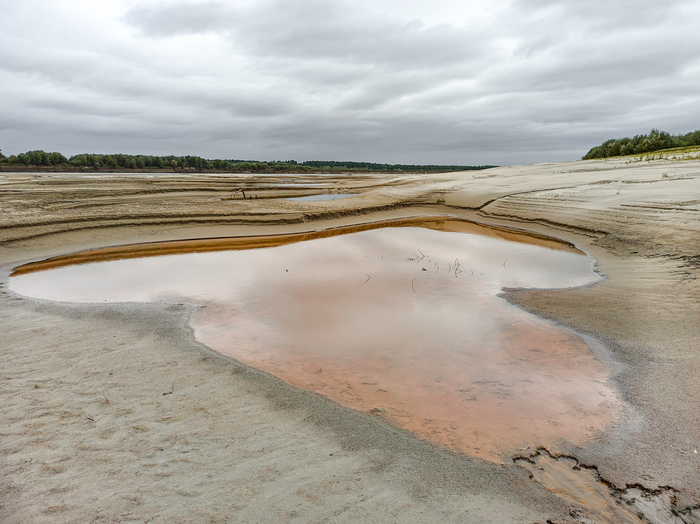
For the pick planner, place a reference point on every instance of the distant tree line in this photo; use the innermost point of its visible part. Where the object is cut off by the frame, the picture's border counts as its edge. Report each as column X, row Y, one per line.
column 36, row 158
column 655, row 140
column 93, row 162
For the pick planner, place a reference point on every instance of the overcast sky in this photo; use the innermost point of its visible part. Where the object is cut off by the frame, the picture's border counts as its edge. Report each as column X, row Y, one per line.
column 399, row 81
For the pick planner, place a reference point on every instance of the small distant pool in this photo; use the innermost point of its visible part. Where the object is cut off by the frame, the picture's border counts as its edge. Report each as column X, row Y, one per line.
column 297, row 184
column 319, row 198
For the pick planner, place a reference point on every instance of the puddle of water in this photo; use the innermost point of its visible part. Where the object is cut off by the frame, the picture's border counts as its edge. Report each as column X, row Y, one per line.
column 320, row 198
column 404, row 322
column 297, row 184
column 305, row 175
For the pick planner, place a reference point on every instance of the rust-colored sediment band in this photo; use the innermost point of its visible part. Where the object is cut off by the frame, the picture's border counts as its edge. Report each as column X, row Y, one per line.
column 176, row 247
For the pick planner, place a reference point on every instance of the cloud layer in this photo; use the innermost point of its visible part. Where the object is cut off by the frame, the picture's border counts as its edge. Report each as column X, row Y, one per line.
column 381, row 80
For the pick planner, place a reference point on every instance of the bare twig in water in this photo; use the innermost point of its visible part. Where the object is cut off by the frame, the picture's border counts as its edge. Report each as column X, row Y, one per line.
column 413, row 288
column 368, row 277
column 456, row 267
column 504, row 264
column 422, row 255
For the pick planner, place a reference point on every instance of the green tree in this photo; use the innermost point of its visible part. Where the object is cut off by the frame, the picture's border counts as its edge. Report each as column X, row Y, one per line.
column 655, row 140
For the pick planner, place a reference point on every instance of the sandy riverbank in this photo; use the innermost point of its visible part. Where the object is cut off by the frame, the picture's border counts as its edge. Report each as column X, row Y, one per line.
column 115, row 413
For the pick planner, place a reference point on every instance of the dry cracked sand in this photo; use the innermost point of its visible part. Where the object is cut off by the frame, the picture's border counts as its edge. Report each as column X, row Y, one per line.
column 115, row 413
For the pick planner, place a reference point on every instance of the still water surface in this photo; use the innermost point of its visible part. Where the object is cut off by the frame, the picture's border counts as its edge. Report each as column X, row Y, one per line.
column 321, row 198
column 404, row 322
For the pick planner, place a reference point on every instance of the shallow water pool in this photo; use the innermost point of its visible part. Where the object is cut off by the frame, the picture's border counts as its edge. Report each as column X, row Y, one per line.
column 403, row 322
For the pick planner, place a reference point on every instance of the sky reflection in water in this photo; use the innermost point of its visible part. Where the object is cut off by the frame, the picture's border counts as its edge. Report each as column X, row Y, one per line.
column 405, row 322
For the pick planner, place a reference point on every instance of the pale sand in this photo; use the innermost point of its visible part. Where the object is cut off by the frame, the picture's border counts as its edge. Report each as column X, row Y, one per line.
column 89, row 435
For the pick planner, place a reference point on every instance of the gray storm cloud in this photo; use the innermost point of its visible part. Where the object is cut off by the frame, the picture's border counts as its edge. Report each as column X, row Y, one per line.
column 521, row 81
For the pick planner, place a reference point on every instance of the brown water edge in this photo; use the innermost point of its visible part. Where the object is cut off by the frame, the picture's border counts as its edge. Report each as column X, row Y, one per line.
column 204, row 245
column 389, row 318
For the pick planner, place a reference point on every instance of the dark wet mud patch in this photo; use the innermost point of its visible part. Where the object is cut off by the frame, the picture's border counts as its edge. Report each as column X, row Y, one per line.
column 593, row 499
column 401, row 322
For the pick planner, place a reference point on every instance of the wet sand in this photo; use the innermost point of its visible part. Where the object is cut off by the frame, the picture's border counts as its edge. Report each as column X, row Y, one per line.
column 115, row 412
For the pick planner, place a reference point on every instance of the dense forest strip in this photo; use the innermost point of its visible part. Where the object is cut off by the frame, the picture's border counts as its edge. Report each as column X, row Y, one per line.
column 655, row 140
column 43, row 161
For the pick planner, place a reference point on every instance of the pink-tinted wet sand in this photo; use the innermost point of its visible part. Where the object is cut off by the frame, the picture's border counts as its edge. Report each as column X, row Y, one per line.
column 401, row 322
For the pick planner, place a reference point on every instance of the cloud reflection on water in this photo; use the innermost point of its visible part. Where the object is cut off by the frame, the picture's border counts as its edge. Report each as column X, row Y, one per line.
column 403, row 319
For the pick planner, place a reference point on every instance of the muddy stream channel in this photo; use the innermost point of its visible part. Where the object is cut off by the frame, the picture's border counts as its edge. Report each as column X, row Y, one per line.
column 402, row 320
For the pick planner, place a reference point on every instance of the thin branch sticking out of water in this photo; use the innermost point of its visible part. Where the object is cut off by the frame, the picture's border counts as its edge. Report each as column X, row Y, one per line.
column 413, row 288
column 368, row 277
column 417, row 257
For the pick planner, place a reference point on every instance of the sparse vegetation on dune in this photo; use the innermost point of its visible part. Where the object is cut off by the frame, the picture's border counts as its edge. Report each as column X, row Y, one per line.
column 654, row 141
